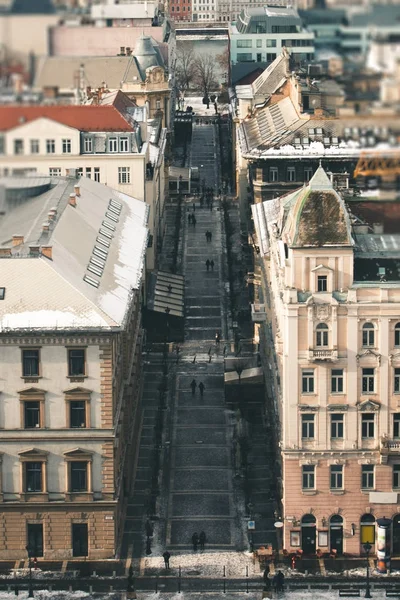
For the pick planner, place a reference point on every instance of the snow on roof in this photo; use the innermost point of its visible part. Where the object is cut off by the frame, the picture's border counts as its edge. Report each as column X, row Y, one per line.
column 59, row 292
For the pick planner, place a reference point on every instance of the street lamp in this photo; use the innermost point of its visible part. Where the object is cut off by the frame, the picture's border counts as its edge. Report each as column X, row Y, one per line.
column 30, row 589
column 367, row 548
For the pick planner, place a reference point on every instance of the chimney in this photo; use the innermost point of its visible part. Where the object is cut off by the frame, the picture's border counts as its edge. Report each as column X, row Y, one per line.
column 77, row 190
column 46, row 227
column 72, row 200
column 377, row 228
column 17, row 240
column 47, row 251
column 319, row 112
column 5, row 252
column 51, row 215
column 34, row 250
column 122, row 50
column 128, row 51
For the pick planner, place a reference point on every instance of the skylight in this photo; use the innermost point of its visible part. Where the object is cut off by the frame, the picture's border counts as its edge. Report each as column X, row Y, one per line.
column 108, row 225
column 106, row 234
column 91, row 281
column 2, row 293
column 95, row 270
column 111, row 217
column 103, row 242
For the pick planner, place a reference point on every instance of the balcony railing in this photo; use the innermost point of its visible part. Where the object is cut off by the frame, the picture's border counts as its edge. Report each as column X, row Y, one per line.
column 258, row 313
column 387, row 448
column 316, row 354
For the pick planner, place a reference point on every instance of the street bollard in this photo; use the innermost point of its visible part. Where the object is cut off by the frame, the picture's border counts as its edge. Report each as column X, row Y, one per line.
column 179, row 579
column 224, row 576
column 247, row 579
column 156, row 585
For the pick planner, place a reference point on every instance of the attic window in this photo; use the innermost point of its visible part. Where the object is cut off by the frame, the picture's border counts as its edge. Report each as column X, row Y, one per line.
column 306, row 141
column 311, row 131
column 335, row 140
column 108, row 226
column 326, row 140
column 111, row 217
column 91, row 281
column 106, row 234
column 2, row 293
column 103, row 242
column 100, row 252
column 115, row 204
column 319, row 131
column 95, row 270
column 113, row 210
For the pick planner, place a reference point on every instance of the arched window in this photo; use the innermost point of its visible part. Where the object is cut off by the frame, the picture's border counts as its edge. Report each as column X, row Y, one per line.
column 322, row 335
column 368, row 335
column 308, row 519
column 336, row 520
column 397, row 335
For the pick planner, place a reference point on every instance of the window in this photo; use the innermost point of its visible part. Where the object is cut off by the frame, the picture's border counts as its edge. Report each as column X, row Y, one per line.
column 80, row 171
column 34, row 146
column 31, row 414
column 270, row 57
column 259, row 43
column 18, row 146
column 397, row 335
column 322, row 283
column 396, row 476
column 78, row 476
column 124, row 144
column 322, row 335
column 396, row 381
column 89, row 172
column 291, row 174
column 124, row 175
column 77, row 414
column 368, row 335
column 76, row 363
column 367, row 477
column 80, row 536
column 30, row 363
column 96, row 176
column 113, row 144
column 273, row 174
column 33, row 477
column 66, row 146
column 337, row 422
column 336, row 477
column 50, row 146
column 271, row 43
column 307, row 427
column 368, row 380
column 307, row 381
column 1, row 144
column 337, row 381
column 367, row 425
column 396, row 425
column 244, row 57
column 55, row 171
column 88, row 145
column 308, row 477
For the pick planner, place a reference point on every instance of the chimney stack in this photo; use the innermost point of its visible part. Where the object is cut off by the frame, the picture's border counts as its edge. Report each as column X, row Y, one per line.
column 77, row 191
column 51, row 215
column 47, row 251
column 46, row 227
column 34, row 250
column 72, row 200
column 5, row 252
column 17, row 240
column 122, row 50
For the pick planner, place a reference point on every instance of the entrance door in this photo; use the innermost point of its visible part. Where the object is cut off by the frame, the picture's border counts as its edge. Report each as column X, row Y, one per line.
column 35, row 539
column 308, row 534
column 396, row 535
column 79, row 539
column 336, row 534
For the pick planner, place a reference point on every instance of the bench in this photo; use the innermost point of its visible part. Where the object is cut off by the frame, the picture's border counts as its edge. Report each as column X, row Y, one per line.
column 393, row 593
column 349, row 593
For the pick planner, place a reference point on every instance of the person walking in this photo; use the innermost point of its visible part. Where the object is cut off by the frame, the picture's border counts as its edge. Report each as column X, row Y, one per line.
column 217, row 338
column 195, row 541
column 193, row 221
column 212, row 265
column 208, row 264
column 210, row 236
column 166, row 557
column 193, row 385
column 280, row 580
column 206, row 235
column 202, row 540
column 202, row 387
column 189, row 219
column 267, row 582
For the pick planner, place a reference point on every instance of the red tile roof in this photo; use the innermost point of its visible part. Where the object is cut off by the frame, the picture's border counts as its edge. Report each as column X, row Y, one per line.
column 84, row 118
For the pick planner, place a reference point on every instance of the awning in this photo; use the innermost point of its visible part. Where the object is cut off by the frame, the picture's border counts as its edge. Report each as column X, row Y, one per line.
column 166, row 293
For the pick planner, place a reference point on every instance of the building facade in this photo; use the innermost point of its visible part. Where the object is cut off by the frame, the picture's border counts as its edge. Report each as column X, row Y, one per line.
column 70, row 346
column 334, row 291
column 261, row 33
column 111, row 143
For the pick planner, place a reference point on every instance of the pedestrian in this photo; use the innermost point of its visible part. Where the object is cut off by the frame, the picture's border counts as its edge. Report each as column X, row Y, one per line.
column 280, row 581
column 166, row 557
column 293, row 561
column 267, row 583
column 193, row 221
column 195, row 541
column 149, row 528
column 210, row 236
column 211, row 204
column 207, row 235
column 212, row 265
column 208, row 264
column 202, row 538
column 189, row 218
column 275, row 582
column 202, row 387
column 217, row 338
column 193, row 385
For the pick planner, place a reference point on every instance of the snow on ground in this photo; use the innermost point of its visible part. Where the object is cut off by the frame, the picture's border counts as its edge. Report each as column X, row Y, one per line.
column 206, row 564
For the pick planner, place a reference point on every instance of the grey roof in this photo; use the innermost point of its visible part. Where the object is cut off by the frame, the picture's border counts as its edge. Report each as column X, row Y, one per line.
column 251, row 18
column 63, row 71
column 378, row 15
column 97, row 248
column 324, row 16
column 273, row 77
column 32, row 7
column 146, row 54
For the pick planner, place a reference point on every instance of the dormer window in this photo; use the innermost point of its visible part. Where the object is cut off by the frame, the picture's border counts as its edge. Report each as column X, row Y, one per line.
column 322, row 283
column 322, row 335
column 88, row 145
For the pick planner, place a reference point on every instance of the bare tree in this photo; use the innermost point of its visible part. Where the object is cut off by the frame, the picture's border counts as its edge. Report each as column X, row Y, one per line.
column 223, row 60
column 184, row 71
column 205, row 76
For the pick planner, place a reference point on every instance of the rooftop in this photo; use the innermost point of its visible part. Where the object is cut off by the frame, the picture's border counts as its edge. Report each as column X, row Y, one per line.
column 65, row 266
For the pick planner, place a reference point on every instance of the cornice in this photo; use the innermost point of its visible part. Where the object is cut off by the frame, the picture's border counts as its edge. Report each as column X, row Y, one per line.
column 75, row 340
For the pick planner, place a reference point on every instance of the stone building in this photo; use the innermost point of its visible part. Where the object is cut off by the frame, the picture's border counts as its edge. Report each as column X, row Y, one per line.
column 330, row 272
column 71, row 262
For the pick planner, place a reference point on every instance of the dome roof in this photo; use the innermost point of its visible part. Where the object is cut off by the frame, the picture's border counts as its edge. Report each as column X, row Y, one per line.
column 145, row 53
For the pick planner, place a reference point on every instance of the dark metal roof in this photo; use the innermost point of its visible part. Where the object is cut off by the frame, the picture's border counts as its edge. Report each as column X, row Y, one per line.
column 32, row 7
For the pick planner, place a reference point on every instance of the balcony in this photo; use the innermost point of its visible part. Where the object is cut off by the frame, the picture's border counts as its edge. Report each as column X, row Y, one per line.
column 258, row 313
column 388, row 448
column 320, row 354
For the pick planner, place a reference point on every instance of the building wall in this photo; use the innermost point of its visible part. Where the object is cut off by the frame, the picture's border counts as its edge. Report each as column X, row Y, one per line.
column 268, row 53
column 23, row 34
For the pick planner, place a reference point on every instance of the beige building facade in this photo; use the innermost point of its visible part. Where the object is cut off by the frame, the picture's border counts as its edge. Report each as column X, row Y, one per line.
column 70, row 348
column 334, row 290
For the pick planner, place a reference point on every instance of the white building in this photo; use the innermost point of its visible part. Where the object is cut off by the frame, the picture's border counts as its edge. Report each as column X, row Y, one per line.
column 71, row 264
column 107, row 143
column 261, row 33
